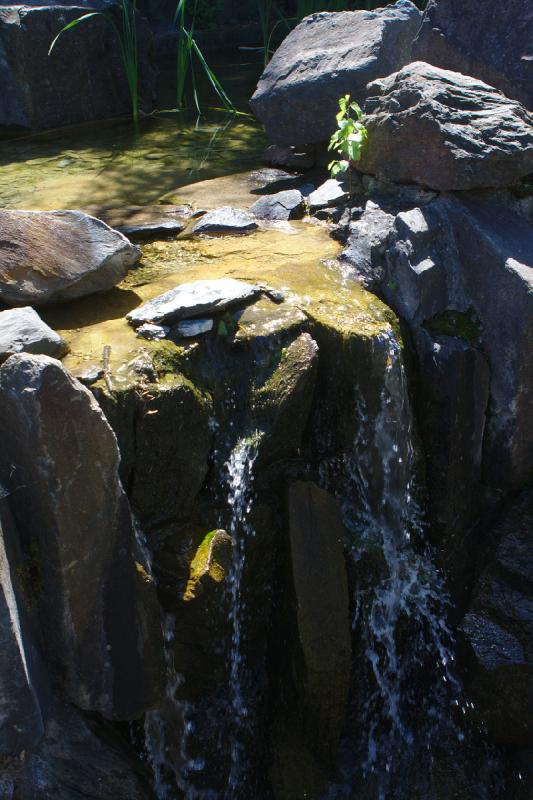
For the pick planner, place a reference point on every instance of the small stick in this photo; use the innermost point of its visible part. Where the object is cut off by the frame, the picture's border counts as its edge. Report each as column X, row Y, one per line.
column 106, row 357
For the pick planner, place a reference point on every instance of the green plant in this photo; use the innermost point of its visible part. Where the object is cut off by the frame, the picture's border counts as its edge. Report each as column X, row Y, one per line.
column 349, row 138
column 187, row 50
column 126, row 32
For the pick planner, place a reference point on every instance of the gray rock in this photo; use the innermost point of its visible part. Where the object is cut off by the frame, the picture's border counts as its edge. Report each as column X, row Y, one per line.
column 225, row 220
column 445, row 130
column 83, row 78
column 149, row 331
column 22, row 686
column 366, row 245
column 51, row 256
column 89, row 375
column 193, row 299
column 191, row 327
column 287, row 157
column 330, row 193
column 98, row 613
column 23, row 331
column 283, row 205
column 467, row 38
column 325, row 57
column 148, row 222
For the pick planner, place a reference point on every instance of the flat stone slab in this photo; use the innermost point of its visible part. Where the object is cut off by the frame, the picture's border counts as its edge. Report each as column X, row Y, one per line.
column 189, row 328
column 225, row 220
column 194, row 299
column 145, row 222
column 331, row 193
column 281, row 206
column 23, row 331
column 51, row 256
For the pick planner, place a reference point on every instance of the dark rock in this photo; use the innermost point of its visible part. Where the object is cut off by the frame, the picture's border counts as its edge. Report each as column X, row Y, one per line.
column 194, row 299
column 22, row 684
column 366, row 245
column 78, row 758
column 147, row 222
column 89, row 375
column 445, row 130
column 188, row 328
column 467, row 38
column 325, row 57
column 330, row 193
column 81, row 80
column 51, row 256
column 283, row 205
column 23, row 331
column 498, row 628
column 97, row 609
column 270, row 181
column 224, row 221
column 287, row 157
column 321, row 589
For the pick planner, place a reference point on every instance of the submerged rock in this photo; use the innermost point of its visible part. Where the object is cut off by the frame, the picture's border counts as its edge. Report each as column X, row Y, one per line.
column 23, row 331
column 81, row 80
column 325, row 57
column 467, row 38
column 193, row 299
column 225, row 220
column 445, row 130
column 280, row 206
column 97, row 610
column 51, row 256
column 145, row 222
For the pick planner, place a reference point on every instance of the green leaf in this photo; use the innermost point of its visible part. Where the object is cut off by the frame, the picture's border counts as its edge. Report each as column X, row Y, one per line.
column 74, row 23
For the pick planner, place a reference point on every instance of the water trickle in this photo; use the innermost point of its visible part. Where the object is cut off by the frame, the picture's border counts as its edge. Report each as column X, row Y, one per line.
column 239, row 480
column 405, row 703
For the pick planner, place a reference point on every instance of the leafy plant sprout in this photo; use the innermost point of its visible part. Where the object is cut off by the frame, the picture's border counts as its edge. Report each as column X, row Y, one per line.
column 348, row 139
column 126, row 32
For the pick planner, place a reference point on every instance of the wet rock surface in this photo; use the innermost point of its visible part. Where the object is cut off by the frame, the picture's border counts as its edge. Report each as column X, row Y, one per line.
column 280, row 206
column 225, row 221
column 467, row 39
column 81, row 80
column 331, row 193
column 48, row 257
column 22, row 330
column 325, row 57
column 96, row 606
column 445, row 130
column 148, row 222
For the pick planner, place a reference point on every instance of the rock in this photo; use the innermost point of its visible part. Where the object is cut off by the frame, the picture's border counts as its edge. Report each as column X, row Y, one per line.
column 211, row 563
column 193, row 299
column 468, row 38
column 146, row 222
column 78, row 757
column 89, row 375
column 283, row 402
column 163, row 435
column 225, row 220
column 81, row 80
column 23, row 698
column 151, row 332
column 321, row 590
column 366, row 245
column 276, row 155
column 325, row 57
column 498, row 628
column 23, row 331
column 283, row 205
column 51, row 256
column 271, row 181
column 191, row 327
column 330, row 193
column 445, row 131
column 96, row 604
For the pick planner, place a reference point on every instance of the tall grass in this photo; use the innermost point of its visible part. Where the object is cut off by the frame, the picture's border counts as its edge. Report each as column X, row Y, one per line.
column 126, row 33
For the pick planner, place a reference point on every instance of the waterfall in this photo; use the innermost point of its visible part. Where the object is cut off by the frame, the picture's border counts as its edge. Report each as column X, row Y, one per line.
column 239, row 481
column 405, row 648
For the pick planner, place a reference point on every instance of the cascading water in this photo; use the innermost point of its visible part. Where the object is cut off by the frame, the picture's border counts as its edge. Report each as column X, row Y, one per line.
column 239, row 480
column 406, row 704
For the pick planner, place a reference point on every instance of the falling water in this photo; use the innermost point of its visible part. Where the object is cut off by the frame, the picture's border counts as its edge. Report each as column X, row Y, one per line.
column 239, row 479
column 400, row 613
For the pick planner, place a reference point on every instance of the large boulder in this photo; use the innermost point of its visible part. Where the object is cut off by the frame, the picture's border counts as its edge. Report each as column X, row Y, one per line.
column 98, row 614
column 81, row 80
column 445, row 130
column 325, row 57
column 467, row 38
column 498, row 628
column 51, row 256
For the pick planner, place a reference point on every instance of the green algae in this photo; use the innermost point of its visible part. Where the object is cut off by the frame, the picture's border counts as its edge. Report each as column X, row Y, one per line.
column 205, row 563
column 463, row 325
